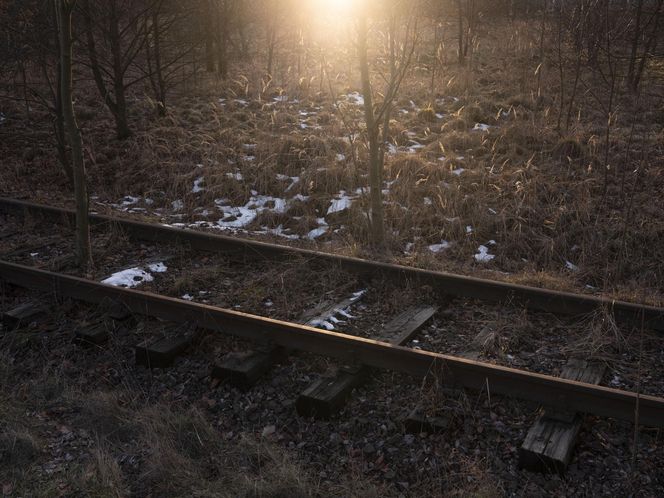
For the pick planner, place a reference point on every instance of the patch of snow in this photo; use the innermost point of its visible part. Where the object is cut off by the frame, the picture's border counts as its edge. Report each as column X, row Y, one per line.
column 242, row 102
column 355, row 98
column 571, row 266
column 483, row 255
column 415, row 146
column 442, row 158
column 244, row 215
column 281, row 98
column 158, row 267
column 481, row 127
column 436, row 248
column 236, row 176
column 439, row 115
column 469, row 229
column 491, row 243
column 249, row 146
column 197, row 185
column 130, row 277
column 177, row 205
column 340, row 204
column 188, row 297
column 128, row 200
column 325, row 324
column 249, row 158
column 317, row 232
column 427, row 201
column 457, row 171
column 341, row 157
column 357, row 295
column 409, row 247
column 345, row 313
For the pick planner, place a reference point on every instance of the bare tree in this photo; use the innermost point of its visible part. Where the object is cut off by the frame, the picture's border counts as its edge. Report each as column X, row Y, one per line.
column 377, row 114
column 63, row 12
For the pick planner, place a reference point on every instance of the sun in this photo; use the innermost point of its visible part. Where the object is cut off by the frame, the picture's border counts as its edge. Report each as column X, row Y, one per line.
column 335, row 7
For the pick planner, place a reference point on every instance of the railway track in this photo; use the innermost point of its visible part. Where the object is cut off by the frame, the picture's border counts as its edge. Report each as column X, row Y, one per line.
column 570, row 396
column 456, row 285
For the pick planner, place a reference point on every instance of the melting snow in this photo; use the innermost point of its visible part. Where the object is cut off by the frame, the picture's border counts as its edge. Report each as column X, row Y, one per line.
column 157, row 267
column 236, row 176
column 317, row 232
column 341, row 157
column 197, row 185
column 343, row 202
column 481, row 127
column 188, row 297
column 128, row 200
column 571, row 266
column 355, row 98
column 436, row 248
column 457, row 171
column 243, row 215
column 483, row 255
column 130, row 277
column 133, row 277
column 281, row 98
column 177, row 205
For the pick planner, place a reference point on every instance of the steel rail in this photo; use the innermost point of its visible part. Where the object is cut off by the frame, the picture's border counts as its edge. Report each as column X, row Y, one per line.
column 566, row 303
column 561, row 393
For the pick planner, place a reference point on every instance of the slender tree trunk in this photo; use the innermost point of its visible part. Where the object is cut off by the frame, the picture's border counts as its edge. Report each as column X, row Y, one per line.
column 63, row 10
column 157, row 60
column 220, row 38
column 462, row 58
column 121, row 124
column 59, row 128
column 375, row 163
column 209, row 36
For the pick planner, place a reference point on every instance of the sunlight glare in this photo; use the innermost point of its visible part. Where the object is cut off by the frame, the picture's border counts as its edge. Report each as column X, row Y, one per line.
column 334, row 7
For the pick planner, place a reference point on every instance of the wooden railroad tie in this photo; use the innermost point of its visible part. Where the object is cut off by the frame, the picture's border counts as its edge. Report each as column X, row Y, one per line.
column 327, row 395
column 243, row 369
column 549, row 444
column 23, row 315
column 160, row 352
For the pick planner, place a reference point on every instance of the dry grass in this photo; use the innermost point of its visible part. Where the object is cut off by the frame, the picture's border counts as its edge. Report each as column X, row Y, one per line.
column 538, row 192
